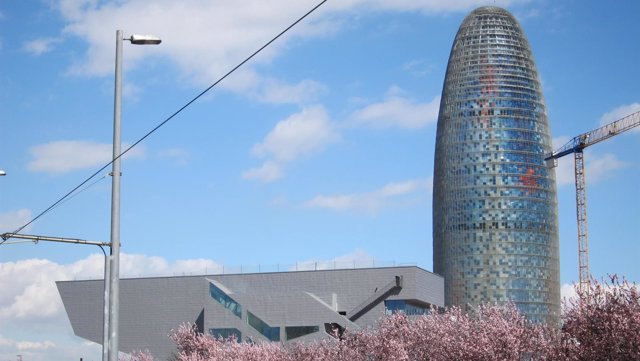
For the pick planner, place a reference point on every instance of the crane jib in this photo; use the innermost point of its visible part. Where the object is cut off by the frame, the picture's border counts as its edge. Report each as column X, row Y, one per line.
column 584, row 140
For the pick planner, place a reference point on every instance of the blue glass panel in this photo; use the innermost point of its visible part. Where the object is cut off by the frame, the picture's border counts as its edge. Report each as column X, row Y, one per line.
column 292, row 332
column 408, row 308
column 224, row 299
column 272, row 333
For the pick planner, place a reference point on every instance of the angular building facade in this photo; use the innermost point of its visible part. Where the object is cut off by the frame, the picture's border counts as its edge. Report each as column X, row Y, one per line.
column 302, row 306
column 495, row 222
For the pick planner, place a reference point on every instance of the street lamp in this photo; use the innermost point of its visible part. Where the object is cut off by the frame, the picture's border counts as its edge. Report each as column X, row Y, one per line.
column 144, row 40
column 114, row 275
column 2, row 173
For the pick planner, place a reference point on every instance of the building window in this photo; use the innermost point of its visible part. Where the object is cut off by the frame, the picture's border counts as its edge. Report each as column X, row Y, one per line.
column 226, row 333
column 407, row 307
column 272, row 333
column 224, row 299
column 292, row 332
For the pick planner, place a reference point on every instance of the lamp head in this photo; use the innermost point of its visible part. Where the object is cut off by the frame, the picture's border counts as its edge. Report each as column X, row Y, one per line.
column 144, row 40
column 2, row 173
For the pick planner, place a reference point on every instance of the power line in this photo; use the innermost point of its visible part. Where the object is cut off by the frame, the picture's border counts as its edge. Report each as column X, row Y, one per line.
column 72, row 196
column 171, row 116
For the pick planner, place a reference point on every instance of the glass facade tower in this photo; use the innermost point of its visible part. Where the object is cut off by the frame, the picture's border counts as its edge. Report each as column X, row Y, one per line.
column 495, row 222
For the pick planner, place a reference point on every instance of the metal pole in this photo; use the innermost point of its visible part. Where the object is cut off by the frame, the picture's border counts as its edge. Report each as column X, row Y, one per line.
column 114, row 276
column 105, row 318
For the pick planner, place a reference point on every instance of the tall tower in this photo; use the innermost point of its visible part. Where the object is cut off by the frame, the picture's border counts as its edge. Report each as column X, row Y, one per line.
column 495, row 221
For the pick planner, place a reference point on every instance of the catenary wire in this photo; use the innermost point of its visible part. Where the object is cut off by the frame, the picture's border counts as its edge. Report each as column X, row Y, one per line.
column 63, row 198
column 73, row 195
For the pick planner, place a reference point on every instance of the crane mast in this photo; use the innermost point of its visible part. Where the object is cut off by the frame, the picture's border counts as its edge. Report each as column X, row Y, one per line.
column 576, row 146
column 581, row 215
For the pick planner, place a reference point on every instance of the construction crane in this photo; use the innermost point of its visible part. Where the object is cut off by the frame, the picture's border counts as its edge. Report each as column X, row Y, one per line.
column 576, row 146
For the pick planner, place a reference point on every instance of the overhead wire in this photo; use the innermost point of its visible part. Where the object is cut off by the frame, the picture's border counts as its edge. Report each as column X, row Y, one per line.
column 67, row 195
column 73, row 195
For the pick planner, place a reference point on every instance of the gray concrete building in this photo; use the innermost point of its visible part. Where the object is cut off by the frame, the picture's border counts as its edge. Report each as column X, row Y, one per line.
column 278, row 307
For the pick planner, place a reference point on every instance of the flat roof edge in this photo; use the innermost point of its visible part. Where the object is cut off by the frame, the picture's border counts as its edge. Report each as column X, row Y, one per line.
column 262, row 273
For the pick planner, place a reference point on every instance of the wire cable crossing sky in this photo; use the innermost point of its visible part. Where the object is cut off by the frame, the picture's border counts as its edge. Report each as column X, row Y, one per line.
column 169, row 118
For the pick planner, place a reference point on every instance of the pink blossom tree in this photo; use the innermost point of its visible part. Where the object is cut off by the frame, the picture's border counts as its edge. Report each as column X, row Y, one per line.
column 490, row 333
column 602, row 324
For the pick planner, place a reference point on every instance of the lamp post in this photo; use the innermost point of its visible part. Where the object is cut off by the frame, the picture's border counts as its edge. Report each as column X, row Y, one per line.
column 114, row 274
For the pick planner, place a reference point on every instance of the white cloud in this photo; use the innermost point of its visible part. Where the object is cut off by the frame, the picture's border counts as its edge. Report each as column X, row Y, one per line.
column 28, row 345
column 601, row 167
column 619, row 113
column 24, row 345
column 299, row 134
column 131, row 92
column 179, row 156
column 567, row 292
column 74, row 9
column 525, row 15
column 565, row 173
column 69, row 155
column 398, row 111
column 311, row 130
column 559, row 141
column 196, row 265
column 207, row 38
column 372, row 202
column 30, row 305
column 274, row 91
column 564, row 170
column 305, row 91
column 38, row 47
column 10, row 221
column 598, row 167
column 302, row 133
column 64, row 347
column 435, row 6
column 136, row 265
column 30, row 291
column 418, row 67
column 355, row 259
column 269, row 171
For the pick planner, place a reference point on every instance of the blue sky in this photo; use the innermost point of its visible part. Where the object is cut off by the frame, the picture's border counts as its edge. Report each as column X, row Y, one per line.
column 320, row 150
